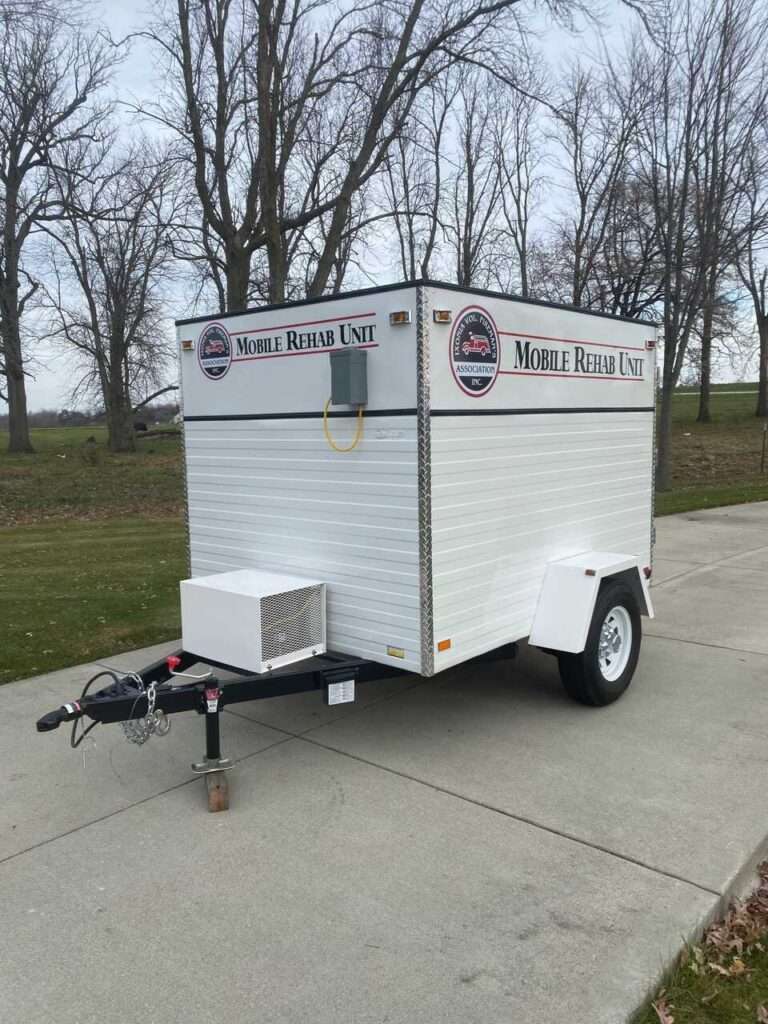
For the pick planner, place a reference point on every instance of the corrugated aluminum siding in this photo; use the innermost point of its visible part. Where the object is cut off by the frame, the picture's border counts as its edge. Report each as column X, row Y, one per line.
column 270, row 494
column 513, row 492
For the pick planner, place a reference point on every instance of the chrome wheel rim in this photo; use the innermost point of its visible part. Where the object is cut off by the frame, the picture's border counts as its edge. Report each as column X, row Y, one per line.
column 615, row 643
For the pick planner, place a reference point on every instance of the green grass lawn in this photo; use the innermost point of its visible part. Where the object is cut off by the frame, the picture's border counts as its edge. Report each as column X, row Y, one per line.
column 92, row 547
column 709, row 998
column 724, row 978
column 75, row 591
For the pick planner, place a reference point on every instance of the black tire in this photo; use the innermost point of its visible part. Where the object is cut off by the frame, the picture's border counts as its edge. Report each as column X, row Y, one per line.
column 581, row 674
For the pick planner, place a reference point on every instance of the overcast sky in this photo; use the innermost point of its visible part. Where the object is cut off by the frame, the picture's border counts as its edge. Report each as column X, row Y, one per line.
column 52, row 379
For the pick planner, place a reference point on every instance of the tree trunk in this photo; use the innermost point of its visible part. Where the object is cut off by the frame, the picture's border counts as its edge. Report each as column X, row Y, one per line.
column 276, row 263
column 120, row 433
column 18, row 424
column 664, row 434
column 332, row 241
column 706, row 366
column 238, row 276
column 762, row 383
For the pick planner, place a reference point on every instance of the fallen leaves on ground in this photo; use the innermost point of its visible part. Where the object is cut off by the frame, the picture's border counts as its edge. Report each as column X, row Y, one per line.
column 663, row 1009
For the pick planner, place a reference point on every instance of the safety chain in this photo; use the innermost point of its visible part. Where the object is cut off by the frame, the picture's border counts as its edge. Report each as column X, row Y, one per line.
column 154, row 723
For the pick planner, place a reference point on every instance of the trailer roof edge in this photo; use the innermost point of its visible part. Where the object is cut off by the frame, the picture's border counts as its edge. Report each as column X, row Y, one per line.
column 427, row 282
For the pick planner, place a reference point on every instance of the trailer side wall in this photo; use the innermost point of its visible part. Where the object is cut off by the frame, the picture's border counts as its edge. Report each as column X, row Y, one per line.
column 266, row 491
column 541, row 437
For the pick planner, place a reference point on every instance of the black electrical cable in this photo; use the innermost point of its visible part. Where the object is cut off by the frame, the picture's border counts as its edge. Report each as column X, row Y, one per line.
column 75, row 740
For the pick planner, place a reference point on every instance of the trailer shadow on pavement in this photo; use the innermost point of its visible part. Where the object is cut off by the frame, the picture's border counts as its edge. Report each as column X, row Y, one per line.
column 470, row 848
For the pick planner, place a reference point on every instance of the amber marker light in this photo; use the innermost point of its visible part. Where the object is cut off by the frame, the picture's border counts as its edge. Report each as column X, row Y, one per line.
column 442, row 316
column 401, row 316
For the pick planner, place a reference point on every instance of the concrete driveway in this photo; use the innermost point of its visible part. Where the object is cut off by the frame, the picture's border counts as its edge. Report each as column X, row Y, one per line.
column 473, row 849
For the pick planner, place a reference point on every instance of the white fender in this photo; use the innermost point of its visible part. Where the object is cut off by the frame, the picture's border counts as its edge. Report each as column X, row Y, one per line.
column 568, row 594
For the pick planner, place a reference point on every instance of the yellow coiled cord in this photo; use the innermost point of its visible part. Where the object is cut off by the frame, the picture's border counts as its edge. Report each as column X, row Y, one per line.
column 358, row 433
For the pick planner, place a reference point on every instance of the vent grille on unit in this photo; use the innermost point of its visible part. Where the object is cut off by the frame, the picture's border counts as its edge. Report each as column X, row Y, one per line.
column 290, row 622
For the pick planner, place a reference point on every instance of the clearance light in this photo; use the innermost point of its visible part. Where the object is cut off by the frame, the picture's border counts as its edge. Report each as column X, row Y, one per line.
column 650, row 343
column 402, row 316
column 647, row 572
column 442, row 316
column 187, row 345
column 395, row 652
column 443, row 645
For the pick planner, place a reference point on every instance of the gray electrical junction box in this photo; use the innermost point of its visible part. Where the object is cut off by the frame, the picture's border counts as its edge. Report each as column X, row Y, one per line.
column 349, row 377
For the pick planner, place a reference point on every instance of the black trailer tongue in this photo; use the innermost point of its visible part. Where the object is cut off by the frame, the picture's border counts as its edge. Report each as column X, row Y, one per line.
column 142, row 701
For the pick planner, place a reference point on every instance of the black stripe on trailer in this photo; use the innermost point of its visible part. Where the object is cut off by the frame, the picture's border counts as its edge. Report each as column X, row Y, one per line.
column 348, row 414
column 552, row 410
column 418, row 283
column 332, row 414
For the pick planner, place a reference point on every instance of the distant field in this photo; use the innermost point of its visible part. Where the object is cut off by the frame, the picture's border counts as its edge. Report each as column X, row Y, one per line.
column 69, row 478
column 716, row 463
column 75, row 591
column 92, row 545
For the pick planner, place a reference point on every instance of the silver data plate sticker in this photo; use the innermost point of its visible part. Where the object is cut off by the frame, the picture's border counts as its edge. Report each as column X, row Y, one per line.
column 341, row 693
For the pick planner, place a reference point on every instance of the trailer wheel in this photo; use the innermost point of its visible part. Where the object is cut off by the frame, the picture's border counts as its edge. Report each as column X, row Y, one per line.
column 603, row 671
column 217, row 787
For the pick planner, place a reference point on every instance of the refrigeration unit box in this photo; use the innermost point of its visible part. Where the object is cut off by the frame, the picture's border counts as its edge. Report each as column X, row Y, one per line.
column 458, row 469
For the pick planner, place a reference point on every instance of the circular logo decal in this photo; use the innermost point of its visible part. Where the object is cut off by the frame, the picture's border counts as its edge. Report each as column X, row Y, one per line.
column 475, row 351
column 214, row 351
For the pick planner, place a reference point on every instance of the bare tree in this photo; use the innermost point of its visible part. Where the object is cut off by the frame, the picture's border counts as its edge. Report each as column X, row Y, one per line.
column 519, row 145
column 625, row 277
column 473, row 202
column 416, row 175
column 253, row 84
column 733, row 106
column 50, row 75
column 113, row 256
column 752, row 255
column 669, row 147
column 595, row 122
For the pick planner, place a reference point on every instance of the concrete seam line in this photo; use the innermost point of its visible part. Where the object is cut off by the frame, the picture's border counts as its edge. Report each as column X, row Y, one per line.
column 703, row 643
column 128, row 807
column 701, row 567
column 516, row 817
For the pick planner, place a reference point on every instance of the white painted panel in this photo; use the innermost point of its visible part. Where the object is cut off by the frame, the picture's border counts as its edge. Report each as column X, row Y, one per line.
column 293, row 373
column 535, row 356
column 271, row 495
column 540, row 487
column 568, row 595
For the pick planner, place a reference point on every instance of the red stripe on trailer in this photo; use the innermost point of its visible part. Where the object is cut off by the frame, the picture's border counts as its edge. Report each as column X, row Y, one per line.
column 308, row 352
column 304, row 323
column 567, row 376
column 570, row 341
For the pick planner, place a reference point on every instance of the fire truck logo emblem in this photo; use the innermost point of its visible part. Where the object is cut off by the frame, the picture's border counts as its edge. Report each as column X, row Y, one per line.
column 214, row 351
column 475, row 351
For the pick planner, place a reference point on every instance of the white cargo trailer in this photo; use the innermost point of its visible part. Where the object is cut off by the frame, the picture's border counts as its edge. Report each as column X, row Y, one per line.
column 504, row 466
column 407, row 477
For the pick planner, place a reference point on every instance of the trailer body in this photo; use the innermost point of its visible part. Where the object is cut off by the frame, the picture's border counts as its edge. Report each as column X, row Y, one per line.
column 500, row 437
